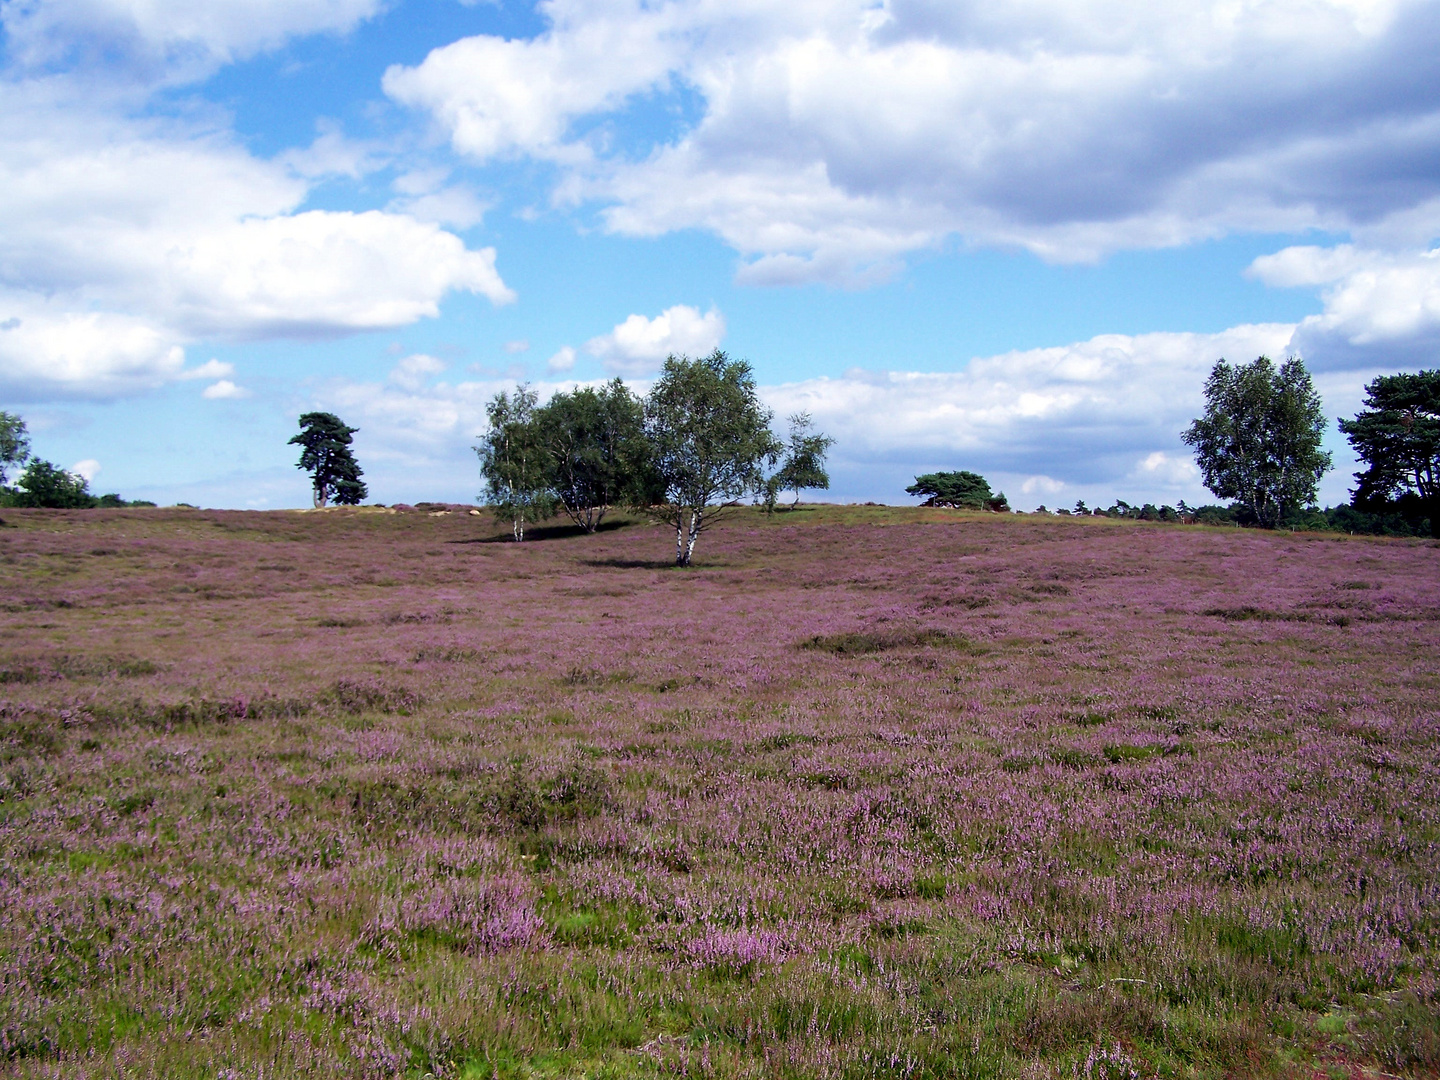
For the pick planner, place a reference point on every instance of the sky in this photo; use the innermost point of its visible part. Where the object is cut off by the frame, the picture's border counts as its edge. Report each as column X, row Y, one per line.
column 1012, row 237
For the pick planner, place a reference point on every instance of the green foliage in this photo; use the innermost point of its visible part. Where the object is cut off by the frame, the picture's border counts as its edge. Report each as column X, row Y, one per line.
column 515, row 462
column 710, row 437
column 1398, row 437
column 963, row 489
column 1350, row 519
column 804, row 462
column 1259, row 440
column 1214, row 515
column 598, row 455
column 44, row 485
column 327, row 458
column 14, row 444
column 1148, row 512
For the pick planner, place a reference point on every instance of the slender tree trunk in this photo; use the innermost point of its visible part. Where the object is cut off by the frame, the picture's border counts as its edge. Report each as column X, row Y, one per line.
column 517, row 529
column 319, row 497
column 680, row 554
column 695, row 516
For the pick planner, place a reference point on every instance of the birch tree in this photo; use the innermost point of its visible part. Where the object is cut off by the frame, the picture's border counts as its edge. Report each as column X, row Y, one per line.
column 804, row 464
column 1259, row 440
column 710, row 439
column 598, row 454
column 14, row 444
column 514, row 462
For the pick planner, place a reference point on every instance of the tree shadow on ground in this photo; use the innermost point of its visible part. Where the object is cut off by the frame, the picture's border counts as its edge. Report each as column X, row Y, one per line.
column 540, row 533
column 633, row 564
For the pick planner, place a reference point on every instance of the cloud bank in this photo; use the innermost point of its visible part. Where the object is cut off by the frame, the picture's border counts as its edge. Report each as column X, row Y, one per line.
column 830, row 137
column 125, row 237
column 1381, row 307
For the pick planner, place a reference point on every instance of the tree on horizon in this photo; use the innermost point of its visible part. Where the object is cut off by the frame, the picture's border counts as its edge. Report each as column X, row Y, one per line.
column 334, row 473
column 711, row 438
column 1398, row 438
column 1259, row 440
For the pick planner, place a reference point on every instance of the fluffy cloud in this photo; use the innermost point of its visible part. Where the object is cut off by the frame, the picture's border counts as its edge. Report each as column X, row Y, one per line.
column 48, row 351
column 170, row 38
column 561, row 362
column 211, row 369
column 123, row 240
column 638, row 345
column 1380, row 307
column 500, row 97
column 224, row 390
column 833, row 136
column 320, row 273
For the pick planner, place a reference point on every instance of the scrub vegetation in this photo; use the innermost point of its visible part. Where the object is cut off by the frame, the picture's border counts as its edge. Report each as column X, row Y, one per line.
column 871, row 793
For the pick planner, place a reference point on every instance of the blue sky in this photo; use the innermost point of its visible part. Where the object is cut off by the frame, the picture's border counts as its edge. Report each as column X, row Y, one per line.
column 1010, row 238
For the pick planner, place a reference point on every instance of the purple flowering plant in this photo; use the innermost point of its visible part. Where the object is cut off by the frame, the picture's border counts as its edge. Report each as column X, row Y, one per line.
column 867, row 792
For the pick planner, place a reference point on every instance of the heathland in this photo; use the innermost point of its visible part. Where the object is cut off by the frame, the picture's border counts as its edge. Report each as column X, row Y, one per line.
column 865, row 792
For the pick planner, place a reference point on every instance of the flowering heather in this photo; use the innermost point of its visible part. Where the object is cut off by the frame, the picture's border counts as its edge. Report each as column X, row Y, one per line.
column 866, row 793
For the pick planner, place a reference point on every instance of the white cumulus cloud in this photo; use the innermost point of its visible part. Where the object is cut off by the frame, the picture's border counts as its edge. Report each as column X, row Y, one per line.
column 638, row 345
column 50, row 351
column 824, row 139
column 1043, row 485
column 122, row 241
column 1085, row 416
column 1381, row 307
column 224, row 390
column 173, row 38
column 561, row 362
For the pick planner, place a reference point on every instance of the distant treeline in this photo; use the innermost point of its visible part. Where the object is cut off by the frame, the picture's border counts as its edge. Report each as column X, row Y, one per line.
column 1402, row 519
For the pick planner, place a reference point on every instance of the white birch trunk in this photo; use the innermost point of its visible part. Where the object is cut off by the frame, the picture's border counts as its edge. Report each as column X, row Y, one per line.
column 695, row 516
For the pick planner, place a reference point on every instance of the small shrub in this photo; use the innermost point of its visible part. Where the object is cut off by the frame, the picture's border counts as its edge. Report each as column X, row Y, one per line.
column 1072, row 758
column 583, row 788
column 581, row 676
column 444, row 654
column 1125, row 752
column 931, row 887
column 357, row 696
column 857, row 643
column 520, row 803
